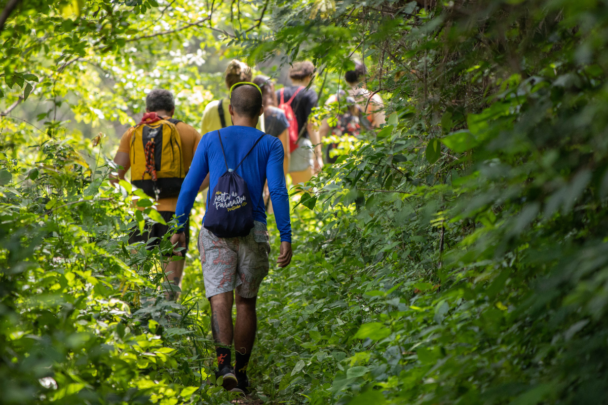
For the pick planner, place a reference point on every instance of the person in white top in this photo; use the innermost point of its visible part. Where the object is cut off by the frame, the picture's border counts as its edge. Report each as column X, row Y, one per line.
column 371, row 107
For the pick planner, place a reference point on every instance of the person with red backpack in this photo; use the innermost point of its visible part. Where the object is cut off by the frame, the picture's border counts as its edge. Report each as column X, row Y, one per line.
column 297, row 102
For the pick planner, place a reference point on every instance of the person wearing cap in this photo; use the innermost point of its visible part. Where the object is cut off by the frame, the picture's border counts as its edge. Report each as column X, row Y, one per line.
column 233, row 268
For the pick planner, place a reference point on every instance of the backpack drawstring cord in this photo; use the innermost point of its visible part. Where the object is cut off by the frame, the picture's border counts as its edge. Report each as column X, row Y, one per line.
column 150, row 164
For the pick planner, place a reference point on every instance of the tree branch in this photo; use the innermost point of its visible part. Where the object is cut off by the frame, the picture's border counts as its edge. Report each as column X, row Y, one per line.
column 383, row 191
column 21, row 97
column 10, row 6
column 186, row 26
column 259, row 20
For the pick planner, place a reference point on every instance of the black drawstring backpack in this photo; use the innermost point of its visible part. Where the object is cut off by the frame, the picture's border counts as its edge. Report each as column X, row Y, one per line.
column 230, row 210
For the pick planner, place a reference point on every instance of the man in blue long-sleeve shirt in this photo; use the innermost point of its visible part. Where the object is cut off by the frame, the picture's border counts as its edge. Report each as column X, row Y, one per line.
column 238, row 263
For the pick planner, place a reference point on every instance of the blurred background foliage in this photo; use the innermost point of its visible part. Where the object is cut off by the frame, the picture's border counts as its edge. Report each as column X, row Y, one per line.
column 458, row 255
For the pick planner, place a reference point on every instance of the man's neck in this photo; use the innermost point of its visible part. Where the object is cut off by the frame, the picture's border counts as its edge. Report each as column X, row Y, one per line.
column 245, row 121
column 162, row 114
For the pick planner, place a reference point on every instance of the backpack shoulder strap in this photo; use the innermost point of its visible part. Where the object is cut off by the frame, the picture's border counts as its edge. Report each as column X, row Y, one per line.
column 174, row 121
column 256, row 142
column 294, row 94
column 223, row 153
column 220, row 111
column 282, row 91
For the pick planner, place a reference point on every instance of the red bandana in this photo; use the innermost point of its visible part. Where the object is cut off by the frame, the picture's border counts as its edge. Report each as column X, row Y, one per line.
column 149, row 118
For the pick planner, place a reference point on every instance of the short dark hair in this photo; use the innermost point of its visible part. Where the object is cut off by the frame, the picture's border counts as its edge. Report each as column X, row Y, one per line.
column 246, row 101
column 301, row 70
column 356, row 75
column 160, row 100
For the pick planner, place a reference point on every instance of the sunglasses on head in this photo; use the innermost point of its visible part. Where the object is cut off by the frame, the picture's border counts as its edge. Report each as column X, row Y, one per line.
column 235, row 85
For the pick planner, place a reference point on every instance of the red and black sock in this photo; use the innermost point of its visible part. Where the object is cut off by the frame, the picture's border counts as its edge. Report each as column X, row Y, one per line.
column 240, row 368
column 223, row 357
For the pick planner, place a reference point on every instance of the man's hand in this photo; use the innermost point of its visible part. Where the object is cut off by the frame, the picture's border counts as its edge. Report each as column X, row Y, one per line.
column 285, row 256
column 180, row 239
column 318, row 164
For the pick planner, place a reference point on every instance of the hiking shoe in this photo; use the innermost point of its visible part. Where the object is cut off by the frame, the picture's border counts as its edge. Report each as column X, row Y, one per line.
column 230, row 382
column 242, row 387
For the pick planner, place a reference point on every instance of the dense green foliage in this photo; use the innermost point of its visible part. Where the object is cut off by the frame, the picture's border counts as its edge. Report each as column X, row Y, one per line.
column 456, row 256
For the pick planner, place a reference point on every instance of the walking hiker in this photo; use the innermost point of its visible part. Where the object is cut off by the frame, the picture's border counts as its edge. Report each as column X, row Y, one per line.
column 360, row 109
column 305, row 142
column 233, row 242
column 349, row 121
column 275, row 122
column 216, row 114
column 159, row 152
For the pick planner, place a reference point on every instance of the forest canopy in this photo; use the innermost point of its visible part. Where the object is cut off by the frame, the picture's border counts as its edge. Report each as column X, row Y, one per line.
column 456, row 255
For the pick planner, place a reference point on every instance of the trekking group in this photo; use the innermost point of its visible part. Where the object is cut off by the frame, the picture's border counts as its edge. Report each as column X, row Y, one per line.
column 251, row 141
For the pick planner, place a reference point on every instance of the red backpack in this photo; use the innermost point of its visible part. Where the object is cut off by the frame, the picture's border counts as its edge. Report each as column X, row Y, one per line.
column 294, row 131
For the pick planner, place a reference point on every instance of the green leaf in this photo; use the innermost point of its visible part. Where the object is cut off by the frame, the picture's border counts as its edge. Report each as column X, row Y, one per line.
column 386, row 131
column 30, row 77
column 355, row 372
column 33, row 174
column 27, row 91
column 393, row 119
column 145, row 202
column 298, row 367
column 574, row 329
column 5, row 177
column 72, row 9
column 423, row 286
column 441, row 309
column 478, row 123
column 535, row 395
column 394, row 288
column 427, row 356
column 126, row 185
column 315, row 335
column 410, row 7
column 17, row 78
column 140, row 193
column 460, row 141
column 141, row 223
column 188, row 391
column 373, row 331
column 368, row 398
column 446, row 122
column 156, row 217
column 433, row 151
column 308, row 201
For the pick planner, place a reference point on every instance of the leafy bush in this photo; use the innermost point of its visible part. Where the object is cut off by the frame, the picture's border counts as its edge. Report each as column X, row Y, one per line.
column 83, row 314
column 456, row 256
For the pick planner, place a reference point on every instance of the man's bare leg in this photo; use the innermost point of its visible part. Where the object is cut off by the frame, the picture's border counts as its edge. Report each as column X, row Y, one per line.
column 174, row 272
column 221, row 327
column 244, row 335
column 221, row 318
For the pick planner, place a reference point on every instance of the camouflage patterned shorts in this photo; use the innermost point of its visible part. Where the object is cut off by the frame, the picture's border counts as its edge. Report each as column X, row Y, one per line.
column 234, row 263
